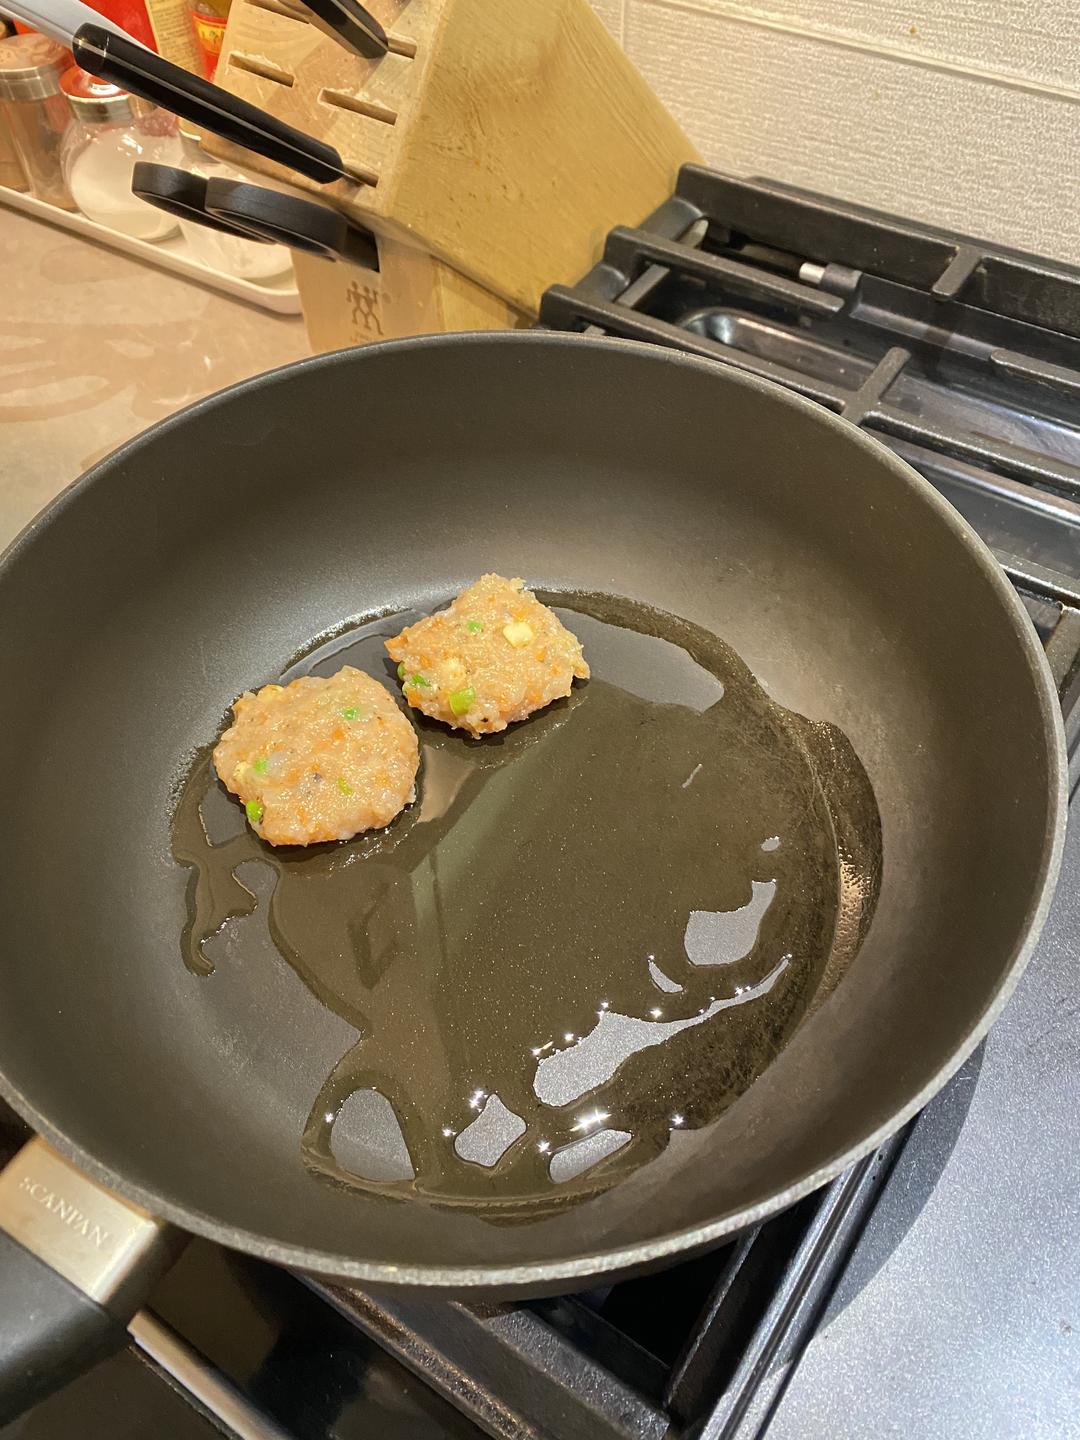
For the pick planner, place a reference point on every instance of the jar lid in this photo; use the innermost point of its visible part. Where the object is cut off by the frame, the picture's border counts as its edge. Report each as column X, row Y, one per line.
column 98, row 101
column 30, row 67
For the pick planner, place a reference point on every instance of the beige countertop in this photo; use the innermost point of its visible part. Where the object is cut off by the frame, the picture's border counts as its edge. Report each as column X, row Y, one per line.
column 95, row 346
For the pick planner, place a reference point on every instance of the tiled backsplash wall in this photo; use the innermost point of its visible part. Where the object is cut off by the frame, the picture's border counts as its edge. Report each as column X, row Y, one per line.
column 965, row 113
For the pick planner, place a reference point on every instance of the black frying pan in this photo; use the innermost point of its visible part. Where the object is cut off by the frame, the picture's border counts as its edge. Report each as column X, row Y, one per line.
column 206, row 555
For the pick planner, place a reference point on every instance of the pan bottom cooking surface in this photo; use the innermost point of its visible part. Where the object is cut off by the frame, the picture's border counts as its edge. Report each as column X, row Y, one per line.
column 589, row 931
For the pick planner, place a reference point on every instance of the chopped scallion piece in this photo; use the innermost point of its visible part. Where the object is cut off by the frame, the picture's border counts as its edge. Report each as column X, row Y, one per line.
column 351, row 712
column 421, row 682
column 254, row 809
column 262, row 764
column 343, row 785
column 401, row 670
column 462, row 700
column 474, row 627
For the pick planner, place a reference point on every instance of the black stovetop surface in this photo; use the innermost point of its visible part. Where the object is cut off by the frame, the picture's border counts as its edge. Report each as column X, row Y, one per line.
column 930, row 1291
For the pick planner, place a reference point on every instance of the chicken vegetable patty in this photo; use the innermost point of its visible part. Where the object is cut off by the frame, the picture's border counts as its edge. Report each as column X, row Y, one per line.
column 319, row 759
column 493, row 657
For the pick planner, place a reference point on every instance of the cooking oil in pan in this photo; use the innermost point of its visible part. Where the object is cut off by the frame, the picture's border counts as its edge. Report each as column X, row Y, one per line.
column 589, row 931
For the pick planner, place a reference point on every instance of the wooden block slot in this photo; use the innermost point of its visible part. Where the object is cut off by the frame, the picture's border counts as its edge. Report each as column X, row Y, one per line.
column 262, row 69
column 370, row 108
column 360, row 173
column 400, row 45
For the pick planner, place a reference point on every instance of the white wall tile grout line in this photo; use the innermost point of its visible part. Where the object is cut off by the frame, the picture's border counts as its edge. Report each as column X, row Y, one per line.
column 755, row 20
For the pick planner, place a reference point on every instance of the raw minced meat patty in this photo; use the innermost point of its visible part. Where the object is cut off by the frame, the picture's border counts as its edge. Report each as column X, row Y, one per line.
column 319, row 759
column 493, row 657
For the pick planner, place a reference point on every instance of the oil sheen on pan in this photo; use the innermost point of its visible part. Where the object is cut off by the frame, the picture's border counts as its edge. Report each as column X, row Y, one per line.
column 588, row 931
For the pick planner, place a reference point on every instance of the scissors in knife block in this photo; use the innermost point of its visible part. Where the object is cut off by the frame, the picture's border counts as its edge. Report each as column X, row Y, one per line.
column 254, row 212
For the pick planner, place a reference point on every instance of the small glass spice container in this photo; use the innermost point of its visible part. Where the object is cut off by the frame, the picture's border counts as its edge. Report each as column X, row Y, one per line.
column 110, row 132
column 12, row 174
column 35, row 111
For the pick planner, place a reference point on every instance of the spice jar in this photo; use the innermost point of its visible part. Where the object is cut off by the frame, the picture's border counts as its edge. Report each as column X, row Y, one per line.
column 110, row 132
column 35, row 111
column 12, row 174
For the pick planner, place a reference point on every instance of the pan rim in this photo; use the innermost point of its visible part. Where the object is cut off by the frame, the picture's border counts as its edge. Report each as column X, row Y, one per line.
column 522, row 1279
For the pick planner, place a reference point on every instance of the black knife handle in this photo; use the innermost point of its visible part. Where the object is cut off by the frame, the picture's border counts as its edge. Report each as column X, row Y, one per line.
column 132, row 67
column 354, row 26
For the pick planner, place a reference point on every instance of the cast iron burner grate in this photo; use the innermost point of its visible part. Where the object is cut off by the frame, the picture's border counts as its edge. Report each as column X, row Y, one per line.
column 701, row 1349
column 963, row 358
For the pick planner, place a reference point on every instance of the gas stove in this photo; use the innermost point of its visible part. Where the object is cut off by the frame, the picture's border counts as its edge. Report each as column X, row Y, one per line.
column 932, row 1289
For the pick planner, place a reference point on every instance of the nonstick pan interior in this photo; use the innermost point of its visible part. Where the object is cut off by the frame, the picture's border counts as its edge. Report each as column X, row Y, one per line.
column 207, row 554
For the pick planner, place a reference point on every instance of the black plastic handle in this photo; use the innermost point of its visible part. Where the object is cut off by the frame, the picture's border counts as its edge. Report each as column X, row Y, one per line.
column 134, row 68
column 50, row 1332
column 355, row 27
column 291, row 220
column 254, row 212
column 180, row 193
column 76, row 1262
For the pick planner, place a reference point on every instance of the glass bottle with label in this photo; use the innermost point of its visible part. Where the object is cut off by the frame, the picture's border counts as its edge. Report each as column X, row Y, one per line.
column 209, row 18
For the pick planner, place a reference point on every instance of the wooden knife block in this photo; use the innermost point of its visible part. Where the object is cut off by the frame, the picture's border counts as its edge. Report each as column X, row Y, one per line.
column 492, row 149
column 411, row 293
